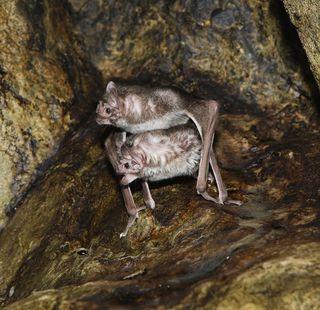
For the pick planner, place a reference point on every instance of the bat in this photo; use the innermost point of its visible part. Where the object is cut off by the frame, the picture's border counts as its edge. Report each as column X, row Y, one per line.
column 160, row 154
column 137, row 109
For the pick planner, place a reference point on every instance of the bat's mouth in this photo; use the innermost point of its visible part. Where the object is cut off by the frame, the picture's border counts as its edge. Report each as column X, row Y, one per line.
column 102, row 120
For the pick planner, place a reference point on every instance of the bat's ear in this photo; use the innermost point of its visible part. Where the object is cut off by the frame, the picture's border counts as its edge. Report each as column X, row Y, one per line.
column 112, row 89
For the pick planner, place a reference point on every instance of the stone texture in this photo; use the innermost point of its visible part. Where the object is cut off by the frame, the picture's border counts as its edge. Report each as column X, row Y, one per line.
column 281, row 283
column 244, row 48
column 305, row 16
column 61, row 249
column 41, row 81
column 290, row 281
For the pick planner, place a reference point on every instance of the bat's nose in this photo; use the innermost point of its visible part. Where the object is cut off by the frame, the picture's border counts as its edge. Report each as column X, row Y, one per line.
column 121, row 169
column 100, row 108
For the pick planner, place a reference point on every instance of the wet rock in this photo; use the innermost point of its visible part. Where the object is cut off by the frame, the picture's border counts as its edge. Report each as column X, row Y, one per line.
column 290, row 281
column 61, row 249
column 209, row 47
column 305, row 17
column 67, row 250
column 42, row 83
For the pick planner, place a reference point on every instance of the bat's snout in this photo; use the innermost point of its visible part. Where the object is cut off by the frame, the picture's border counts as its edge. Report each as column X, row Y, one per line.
column 102, row 117
column 101, row 108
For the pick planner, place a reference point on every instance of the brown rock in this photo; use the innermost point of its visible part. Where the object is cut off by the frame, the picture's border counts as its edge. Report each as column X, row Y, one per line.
column 61, row 249
column 41, row 80
column 305, row 16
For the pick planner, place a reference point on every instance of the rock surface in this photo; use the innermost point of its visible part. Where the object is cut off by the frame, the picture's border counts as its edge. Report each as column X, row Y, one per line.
column 305, row 15
column 43, row 81
column 242, row 47
column 280, row 283
column 61, row 249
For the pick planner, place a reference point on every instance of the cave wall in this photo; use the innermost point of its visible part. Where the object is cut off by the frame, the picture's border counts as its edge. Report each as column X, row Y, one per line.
column 42, row 90
column 234, row 50
column 305, row 16
column 62, row 249
column 243, row 47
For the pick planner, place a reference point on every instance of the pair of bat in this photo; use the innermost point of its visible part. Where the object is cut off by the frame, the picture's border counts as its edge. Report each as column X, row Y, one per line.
column 161, row 145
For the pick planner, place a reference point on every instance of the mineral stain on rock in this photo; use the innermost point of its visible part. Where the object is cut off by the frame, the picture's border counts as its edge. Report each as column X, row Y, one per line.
column 61, row 248
column 40, row 99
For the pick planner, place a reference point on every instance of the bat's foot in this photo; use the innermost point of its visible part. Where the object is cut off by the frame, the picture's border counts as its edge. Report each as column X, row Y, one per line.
column 233, row 202
column 133, row 216
column 150, row 204
column 206, row 196
column 220, row 201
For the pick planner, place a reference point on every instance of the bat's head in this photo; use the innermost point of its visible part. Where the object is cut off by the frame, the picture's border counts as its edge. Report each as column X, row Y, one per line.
column 110, row 107
column 131, row 157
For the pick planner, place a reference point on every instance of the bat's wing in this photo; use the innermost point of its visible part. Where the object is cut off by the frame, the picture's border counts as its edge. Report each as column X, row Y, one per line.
column 205, row 115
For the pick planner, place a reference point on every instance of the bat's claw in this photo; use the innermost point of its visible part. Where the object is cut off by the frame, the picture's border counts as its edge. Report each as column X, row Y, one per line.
column 131, row 221
column 233, row 202
column 206, row 196
column 150, row 204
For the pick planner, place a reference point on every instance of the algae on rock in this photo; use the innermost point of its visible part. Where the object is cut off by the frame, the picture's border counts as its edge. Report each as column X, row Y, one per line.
column 61, row 249
column 41, row 78
column 305, row 16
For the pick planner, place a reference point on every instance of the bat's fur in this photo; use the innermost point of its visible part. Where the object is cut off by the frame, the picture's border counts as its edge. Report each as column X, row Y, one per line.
column 137, row 109
column 161, row 154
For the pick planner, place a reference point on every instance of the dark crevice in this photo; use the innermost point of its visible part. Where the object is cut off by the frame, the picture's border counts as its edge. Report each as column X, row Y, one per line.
column 295, row 51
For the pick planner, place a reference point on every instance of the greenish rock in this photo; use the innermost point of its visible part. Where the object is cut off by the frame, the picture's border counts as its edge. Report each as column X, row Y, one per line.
column 42, row 83
column 305, row 16
column 243, row 48
column 290, row 281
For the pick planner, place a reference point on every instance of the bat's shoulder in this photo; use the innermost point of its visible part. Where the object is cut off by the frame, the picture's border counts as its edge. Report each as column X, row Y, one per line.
column 170, row 90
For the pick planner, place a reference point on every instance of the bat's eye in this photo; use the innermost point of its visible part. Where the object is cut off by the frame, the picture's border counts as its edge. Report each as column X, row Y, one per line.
column 130, row 143
column 108, row 110
column 126, row 165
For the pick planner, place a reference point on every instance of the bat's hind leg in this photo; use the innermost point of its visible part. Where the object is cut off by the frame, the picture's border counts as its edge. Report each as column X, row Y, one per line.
column 148, row 200
column 133, row 211
column 223, row 193
column 206, row 121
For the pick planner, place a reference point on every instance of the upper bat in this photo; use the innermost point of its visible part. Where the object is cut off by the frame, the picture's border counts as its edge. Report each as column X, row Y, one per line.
column 137, row 109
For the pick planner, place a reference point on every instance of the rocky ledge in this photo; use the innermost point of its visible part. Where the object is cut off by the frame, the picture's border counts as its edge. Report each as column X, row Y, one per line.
column 61, row 248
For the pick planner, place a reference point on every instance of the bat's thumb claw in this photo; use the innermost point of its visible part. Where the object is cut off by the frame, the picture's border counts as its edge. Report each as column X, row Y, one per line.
column 122, row 235
column 234, row 202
